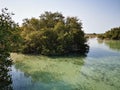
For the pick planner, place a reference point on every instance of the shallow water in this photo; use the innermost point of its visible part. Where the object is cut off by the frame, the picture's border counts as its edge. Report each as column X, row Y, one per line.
column 99, row 70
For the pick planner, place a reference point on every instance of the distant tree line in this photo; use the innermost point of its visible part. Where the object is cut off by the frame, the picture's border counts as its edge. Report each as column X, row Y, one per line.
column 113, row 34
column 90, row 35
column 50, row 34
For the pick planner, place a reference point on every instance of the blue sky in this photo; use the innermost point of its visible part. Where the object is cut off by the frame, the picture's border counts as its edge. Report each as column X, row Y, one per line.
column 97, row 16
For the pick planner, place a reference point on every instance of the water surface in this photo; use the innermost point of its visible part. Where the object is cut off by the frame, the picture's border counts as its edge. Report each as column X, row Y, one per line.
column 99, row 70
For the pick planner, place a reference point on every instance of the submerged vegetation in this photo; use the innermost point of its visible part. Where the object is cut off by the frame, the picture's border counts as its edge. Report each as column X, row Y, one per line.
column 68, row 73
column 62, row 72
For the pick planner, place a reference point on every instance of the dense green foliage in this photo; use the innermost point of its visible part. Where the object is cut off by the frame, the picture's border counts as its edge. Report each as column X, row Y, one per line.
column 5, row 78
column 53, row 34
column 9, row 32
column 113, row 34
column 9, row 35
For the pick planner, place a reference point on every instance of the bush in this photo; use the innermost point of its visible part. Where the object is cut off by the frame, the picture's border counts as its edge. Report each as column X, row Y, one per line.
column 53, row 34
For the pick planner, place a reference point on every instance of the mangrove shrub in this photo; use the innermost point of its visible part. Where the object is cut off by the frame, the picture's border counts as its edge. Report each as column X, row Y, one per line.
column 53, row 34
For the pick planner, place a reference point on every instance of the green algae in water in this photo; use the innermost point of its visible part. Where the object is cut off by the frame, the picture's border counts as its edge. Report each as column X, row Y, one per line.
column 100, row 70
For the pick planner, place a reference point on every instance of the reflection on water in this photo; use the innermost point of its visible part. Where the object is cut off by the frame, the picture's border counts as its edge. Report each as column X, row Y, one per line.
column 5, row 78
column 100, row 70
column 112, row 44
column 115, row 45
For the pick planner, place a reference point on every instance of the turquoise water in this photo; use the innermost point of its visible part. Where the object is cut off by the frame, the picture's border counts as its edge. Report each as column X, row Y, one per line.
column 99, row 70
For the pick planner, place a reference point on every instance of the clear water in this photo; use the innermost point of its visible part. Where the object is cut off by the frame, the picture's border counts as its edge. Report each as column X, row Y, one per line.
column 99, row 70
